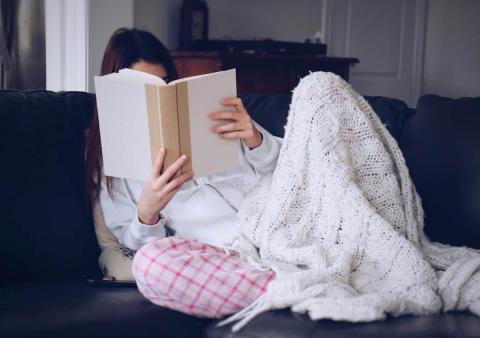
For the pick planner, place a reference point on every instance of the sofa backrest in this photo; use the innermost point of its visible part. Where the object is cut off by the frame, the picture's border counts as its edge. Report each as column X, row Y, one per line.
column 46, row 227
column 441, row 144
column 271, row 111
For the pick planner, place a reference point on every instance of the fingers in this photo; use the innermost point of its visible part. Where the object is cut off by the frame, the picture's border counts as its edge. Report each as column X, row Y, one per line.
column 220, row 128
column 178, row 181
column 172, row 170
column 225, row 115
column 235, row 102
column 232, row 101
column 235, row 134
column 242, row 127
column 238, row 114
column 172, row 193
column 158, row 163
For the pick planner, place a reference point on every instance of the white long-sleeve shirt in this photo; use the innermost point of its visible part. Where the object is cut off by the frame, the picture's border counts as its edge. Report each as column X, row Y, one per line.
column 204, row 209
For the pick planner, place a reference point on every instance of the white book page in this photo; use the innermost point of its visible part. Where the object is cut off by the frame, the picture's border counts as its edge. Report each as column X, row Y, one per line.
column 210, row 154
column 195, row 77
column 124, row 132
column 130, row 74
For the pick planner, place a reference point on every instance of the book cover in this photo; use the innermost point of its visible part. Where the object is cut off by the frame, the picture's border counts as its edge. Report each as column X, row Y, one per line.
column 139, row 113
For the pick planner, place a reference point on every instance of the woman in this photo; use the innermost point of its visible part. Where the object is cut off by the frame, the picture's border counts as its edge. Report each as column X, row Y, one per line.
column 201, row 212
column 339, row 222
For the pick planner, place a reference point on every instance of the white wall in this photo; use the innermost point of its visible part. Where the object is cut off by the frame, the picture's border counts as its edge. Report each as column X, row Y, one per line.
column 450, row 45
column 161, row 17
column 452, row 48
column 436, row 48
column 66, row 44
column 387, row 37
column 288, row 20
column 105, row 16
column 285, row 20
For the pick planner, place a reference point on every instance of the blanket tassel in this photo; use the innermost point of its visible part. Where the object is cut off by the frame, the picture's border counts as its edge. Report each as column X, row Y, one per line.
column 245, row 315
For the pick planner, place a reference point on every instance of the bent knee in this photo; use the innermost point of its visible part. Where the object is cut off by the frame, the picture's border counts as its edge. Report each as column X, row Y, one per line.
column 155, row 256
column 148, row 255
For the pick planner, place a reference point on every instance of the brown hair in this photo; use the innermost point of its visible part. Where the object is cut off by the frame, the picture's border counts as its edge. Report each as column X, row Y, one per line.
column 125, row 47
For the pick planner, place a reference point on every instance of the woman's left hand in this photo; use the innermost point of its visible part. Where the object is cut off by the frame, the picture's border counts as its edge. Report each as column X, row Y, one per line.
column 241, row 124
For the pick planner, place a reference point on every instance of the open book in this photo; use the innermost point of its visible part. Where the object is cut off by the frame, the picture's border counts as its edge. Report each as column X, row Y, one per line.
column 139, row 113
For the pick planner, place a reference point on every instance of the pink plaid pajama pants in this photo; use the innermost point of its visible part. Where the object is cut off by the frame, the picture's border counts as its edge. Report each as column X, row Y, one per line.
column 196, row 278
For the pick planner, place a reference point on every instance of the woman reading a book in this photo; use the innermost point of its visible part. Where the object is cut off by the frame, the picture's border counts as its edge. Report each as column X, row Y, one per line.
column 202, row 213
column 326, row 221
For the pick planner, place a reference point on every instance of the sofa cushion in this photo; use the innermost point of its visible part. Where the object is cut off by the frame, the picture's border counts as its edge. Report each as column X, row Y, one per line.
column 115, row 260
column 47, row 231
column 441, row 145
column 393, row 113
column 75, row 309
column 269, row 110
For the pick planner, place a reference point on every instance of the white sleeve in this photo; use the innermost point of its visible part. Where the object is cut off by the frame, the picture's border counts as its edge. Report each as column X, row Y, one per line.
column 121, row 217
column 263, row 159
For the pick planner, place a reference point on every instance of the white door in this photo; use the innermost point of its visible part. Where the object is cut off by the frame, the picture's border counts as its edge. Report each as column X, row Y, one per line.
column 388, row 38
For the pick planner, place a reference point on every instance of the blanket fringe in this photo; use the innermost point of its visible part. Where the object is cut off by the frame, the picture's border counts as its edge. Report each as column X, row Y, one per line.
column 244, row 316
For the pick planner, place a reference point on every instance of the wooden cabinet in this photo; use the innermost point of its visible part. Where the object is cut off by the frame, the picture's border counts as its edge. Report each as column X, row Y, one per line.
column 261, row 73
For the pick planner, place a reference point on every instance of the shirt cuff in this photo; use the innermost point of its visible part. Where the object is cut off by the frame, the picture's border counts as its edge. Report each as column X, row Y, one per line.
column 258, row 154
column 141, row 230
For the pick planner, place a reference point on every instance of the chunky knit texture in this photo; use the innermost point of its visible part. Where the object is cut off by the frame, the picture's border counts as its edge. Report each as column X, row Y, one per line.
column 340, row 221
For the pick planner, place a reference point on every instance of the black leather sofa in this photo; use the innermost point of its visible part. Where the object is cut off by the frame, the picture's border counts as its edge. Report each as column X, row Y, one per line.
column 48, row 248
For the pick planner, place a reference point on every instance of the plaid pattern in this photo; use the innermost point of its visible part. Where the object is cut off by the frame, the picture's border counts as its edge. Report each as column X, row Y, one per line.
column 196, row 278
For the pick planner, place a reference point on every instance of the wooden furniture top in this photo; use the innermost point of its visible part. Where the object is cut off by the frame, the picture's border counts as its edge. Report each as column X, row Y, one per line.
column 261, row 56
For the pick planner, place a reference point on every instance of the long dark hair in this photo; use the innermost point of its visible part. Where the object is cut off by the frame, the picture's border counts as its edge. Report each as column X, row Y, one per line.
column 125, row 47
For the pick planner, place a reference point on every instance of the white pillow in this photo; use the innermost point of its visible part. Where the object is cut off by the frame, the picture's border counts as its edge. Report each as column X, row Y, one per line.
column 115, row 259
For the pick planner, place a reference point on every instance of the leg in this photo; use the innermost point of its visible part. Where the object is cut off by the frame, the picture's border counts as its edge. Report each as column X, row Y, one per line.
column 196, row 278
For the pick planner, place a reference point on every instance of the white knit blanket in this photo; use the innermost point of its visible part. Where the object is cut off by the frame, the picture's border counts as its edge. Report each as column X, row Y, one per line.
column 341, row 224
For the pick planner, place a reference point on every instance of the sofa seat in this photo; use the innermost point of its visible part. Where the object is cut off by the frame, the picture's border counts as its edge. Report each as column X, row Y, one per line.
column 285, row 324
column 75, row 309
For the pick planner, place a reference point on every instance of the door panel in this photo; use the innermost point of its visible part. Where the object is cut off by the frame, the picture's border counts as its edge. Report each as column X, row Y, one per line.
column 387, row 36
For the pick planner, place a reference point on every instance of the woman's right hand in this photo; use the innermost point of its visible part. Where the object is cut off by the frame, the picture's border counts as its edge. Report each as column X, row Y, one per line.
column 160, row 188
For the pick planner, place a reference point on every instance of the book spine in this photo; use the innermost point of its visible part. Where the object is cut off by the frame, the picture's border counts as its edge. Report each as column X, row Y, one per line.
column 168, row 123
column 152, row 99
column 184, row 124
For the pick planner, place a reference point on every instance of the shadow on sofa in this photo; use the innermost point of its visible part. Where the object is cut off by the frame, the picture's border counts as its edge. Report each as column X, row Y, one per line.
column 48, row 247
